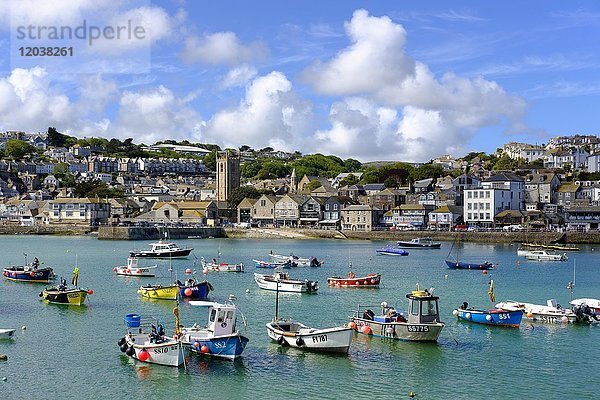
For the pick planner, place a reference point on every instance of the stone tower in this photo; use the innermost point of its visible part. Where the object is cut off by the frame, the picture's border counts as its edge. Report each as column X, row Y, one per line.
column 228, row 174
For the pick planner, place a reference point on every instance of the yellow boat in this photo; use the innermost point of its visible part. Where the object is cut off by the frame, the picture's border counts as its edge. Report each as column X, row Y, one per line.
column 58, row 295
column 159, row 292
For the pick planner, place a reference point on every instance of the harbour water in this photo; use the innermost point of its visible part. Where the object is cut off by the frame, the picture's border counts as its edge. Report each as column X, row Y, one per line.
column 72, row 352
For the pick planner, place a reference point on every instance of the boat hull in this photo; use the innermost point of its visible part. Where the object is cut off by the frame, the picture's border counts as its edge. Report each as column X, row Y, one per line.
column 412, row 332
column 390, row 251
column 7, row 333
column 72, row 297
column 21, row 274
column 369, row 281
column 505, row 318
column 272, row 265
column 464, row 265
column 409, row 245
column 228, row 347
column 170, row 353
column 141, row 272
column 293, row 334
column 159, row 292
column 198, row 291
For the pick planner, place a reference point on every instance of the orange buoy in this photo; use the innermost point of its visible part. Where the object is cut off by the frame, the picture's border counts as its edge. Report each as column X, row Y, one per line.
column 204, row 349
column 352, row 325
column 187, row 292
column 143, row 355
column 366, row 329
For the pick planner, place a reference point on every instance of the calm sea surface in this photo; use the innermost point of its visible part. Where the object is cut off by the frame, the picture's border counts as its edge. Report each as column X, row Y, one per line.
column 71, row 352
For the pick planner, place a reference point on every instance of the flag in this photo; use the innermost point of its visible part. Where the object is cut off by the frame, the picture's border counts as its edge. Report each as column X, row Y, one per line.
column 75, row 276
column 491, row 292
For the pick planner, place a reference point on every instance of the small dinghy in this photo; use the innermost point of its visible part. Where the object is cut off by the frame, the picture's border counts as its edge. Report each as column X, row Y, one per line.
column 391, row 251
column 216, row 266
column 63, row 294
column 161, row 292
column 353, row 281
column 281, row 281
column 7, row 333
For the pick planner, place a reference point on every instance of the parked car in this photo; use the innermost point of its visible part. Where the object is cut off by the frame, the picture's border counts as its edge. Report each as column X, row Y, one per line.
column 512, row 228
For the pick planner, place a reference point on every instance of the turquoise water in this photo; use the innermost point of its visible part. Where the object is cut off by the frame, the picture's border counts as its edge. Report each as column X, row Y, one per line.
column 70, row 352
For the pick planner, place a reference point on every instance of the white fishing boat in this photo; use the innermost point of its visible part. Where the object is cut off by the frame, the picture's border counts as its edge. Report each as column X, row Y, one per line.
column 216, row 266
column 295, row 334
column 542, row 255
column 220, row 337
column 281, row 281
column 419, row 243
column 523, row 252
column 162, row 249
column 146, row 341
column 549, row 313
column 421, row 325
column 7, row 333
column 133, row 269
column 295, row 260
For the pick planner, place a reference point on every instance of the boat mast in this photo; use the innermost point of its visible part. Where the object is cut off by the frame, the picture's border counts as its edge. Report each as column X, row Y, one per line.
column 276, row 299
column 571, row 284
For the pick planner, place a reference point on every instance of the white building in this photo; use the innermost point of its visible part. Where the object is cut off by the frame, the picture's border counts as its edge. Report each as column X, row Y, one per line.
column 500, row 192
column 527, row 152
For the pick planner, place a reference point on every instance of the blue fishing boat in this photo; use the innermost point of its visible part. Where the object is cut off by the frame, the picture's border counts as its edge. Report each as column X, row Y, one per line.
column 29, row 273
column 498, row 317
column 220, row 338
column 192, row 289
column 392, row 251
column 493, row 317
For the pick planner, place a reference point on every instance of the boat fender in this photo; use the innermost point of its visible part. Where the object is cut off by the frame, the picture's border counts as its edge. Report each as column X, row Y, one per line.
column 123, row 347
column 130, row 351
column 223, row 324
column 121, row 341
column 41, row 294
column 299, row 342
column 281, row 341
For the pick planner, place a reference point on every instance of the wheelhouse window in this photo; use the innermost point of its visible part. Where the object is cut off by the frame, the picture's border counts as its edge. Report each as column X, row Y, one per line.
column 429, row 307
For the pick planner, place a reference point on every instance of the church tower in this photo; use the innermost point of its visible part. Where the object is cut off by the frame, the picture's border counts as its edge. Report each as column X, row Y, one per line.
column 228, row 174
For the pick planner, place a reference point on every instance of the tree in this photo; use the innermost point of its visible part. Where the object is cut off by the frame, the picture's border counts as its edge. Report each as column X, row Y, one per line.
column 349, row 180
column 210, row 161
column 352, row 165
column 56, row 138
column 312, row 185
column 240, row 193
column 18, row 149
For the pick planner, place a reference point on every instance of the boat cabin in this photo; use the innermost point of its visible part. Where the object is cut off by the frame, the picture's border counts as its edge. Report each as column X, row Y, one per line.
column 132, row 262
column 422, row 307
column 163, row 246
column 221, row 317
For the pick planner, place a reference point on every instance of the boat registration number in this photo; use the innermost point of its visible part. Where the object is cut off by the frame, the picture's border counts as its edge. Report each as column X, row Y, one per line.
column 503, row 316
column 417, row 328
column 73, row 295
column 163, row 350
column 319, row 338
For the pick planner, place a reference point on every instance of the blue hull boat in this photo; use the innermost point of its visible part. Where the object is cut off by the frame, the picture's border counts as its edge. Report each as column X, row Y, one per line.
column 274, row 264
column 229, row 347
column 392, row 251
column 465, row 265
column 28, row 274
column 493, row 317
column 196, row 291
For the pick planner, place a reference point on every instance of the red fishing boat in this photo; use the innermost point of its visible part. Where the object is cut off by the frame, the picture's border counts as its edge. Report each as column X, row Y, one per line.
column 351, row 280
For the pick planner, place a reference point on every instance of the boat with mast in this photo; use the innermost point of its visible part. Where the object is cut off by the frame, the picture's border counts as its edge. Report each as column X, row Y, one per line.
column 457, row 264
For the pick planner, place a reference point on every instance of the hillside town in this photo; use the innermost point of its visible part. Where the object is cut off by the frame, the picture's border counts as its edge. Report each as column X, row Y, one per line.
column 553, row 186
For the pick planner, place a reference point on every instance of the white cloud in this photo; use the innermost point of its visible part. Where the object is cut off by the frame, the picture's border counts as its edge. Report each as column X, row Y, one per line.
column 270, row 114
column 239, row 76
column 221, row 48
column 435, row 115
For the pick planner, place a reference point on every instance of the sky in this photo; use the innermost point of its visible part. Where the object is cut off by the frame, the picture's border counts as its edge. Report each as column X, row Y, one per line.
column 372, row 80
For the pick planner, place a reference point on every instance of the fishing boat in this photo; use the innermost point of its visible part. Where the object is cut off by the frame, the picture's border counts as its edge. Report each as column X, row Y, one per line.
column 220, row 337
column 216, row 266
column 295, row 260
column 281, row 282
column 543, row 255
column 496, row 316
column 586, row 310
column 549, row 313
column 29, row 272
column 351, row 280
column 133, row 269
column 162, row 292
column 421, row 325
column 391, row 251
column 162, row 249
column 288, row 332
column 146, row 341
column 274, row 264
column 457, row 264
column 193, row 289
column 523, row 252
column 419, row 243
column 7, row 333
column 593, row 304
column 559, row 244
column 63, row 294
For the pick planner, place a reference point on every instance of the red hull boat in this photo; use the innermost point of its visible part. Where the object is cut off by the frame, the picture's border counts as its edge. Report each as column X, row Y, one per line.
column 369, row 281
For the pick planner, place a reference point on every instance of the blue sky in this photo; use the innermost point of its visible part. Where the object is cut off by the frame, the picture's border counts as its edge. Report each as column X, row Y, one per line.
column 378, row 80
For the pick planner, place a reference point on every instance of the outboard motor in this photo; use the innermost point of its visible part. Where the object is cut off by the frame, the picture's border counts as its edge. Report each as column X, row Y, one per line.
column 312, row 286
column 369, row 315
column 464, row 305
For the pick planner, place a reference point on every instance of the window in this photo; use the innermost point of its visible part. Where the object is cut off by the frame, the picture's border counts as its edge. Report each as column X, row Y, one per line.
column 263, row 203
column 474, row 195
column 468, row 206
column 481, row 194
column 326, row 207
column 474, row 206
column 487, row 206
column 69, row 213
column 487, row 216
column 335, row 207
column 469, row 216
column 487, row 194
column 468, row 195
column 429, row 307
column 414, row 310
column 480, row 215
